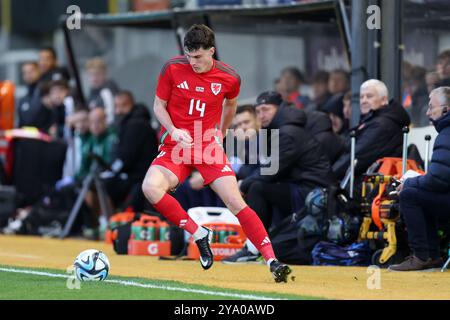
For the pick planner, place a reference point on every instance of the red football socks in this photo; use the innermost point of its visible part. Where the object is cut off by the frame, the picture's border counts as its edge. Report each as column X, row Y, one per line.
column 172, row 210
column 256, row 233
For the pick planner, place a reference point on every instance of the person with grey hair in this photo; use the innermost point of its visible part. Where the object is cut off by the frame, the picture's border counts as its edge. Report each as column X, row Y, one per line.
column 426, row 198
column 379, row 132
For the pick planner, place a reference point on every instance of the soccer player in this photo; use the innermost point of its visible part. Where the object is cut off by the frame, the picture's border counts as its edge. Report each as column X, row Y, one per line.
column 191, row 93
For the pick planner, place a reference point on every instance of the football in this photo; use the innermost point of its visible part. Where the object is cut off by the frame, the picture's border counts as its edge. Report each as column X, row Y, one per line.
column 91, row 265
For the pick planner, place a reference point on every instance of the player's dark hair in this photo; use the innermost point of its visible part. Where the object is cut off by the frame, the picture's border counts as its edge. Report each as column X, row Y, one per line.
column 51, row 50
column 246, row 108
column 199, row 36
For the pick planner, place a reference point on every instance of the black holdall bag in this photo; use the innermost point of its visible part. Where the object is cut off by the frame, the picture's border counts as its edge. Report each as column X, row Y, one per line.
column 295, row 237
column 122, row 233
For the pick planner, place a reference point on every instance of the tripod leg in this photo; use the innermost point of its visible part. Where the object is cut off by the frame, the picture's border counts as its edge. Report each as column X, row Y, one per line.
column 76, row 208
column 102, row 197
column 445, row 265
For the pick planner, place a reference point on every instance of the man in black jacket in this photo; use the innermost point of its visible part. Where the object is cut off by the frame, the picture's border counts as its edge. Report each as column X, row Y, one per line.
column 320, row 127
column 379, row 132
column 48, row 64
column 30, row 104
column 426, row 198
column 137, row 147
column 302, row 166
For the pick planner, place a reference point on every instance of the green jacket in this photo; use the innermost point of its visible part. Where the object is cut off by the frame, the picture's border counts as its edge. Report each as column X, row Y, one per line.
column 101, row 146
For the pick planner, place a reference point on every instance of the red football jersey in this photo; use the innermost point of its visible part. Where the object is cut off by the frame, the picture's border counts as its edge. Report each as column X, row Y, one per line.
column 195, row 98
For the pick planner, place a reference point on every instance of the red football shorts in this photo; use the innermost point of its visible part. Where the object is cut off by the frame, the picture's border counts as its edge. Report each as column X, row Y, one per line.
column 210, row 160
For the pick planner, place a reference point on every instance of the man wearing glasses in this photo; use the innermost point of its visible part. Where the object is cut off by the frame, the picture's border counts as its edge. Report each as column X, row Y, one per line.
column 426, row 198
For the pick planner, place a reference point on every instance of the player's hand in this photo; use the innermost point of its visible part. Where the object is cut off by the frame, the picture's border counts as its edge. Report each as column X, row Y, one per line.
column 182, row 137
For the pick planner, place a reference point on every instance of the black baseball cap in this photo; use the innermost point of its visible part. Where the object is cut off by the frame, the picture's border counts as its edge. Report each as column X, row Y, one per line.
column 269, row 97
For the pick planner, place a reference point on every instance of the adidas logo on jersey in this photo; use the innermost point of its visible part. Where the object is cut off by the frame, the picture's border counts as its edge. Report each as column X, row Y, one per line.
column 183, row 85
column 226, row 169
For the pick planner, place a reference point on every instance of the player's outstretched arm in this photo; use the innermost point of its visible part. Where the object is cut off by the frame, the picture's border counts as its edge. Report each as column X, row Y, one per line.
column 229, row 111
column 178, row 135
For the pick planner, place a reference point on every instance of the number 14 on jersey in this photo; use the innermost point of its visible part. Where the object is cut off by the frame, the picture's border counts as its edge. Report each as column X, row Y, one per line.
column 199, row 106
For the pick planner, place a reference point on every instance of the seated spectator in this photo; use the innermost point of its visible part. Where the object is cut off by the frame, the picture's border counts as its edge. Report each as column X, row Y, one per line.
column 339, row 82
column 102, row 89
column 291, row 80
column 53, row 106
column 101, row 143
column 303, row 166
column 340, row 118
column 246, row 133
column 137, row 147
column 302, row 163
column 29, row 105
column 426, row 198
column 379, row 133
column 336, row 115
column 44, row 119
column 347, row 110
column 320, row 90
column 338, row 85
column 48, row 65
column 443, row 69
column 320, row 127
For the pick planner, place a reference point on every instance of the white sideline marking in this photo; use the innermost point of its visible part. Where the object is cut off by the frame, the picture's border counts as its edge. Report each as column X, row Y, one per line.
column 150, row 286
column 25, row 256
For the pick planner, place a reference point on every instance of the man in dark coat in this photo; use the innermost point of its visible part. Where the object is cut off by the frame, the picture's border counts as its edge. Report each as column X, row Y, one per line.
column 302, row 166
column 379, row 133
column 137, row 147
column 426, row 198
column 48, row 64
column 319, row 126
column 29, row 105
